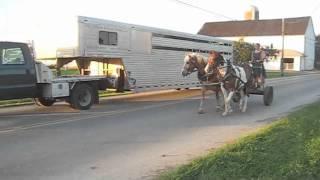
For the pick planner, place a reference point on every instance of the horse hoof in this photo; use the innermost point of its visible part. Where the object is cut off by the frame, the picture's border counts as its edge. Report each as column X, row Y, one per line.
column 200, row 111
column 224, row 113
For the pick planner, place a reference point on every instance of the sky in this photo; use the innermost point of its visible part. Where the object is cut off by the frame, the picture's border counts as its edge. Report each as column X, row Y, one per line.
column 52, row 23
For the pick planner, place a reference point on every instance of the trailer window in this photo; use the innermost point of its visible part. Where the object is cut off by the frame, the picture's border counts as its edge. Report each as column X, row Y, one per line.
column 108, row 38
column 12, row 56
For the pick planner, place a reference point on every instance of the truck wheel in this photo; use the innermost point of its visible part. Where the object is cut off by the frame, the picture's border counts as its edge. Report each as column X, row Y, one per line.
column 82, row 97
column 46, row 101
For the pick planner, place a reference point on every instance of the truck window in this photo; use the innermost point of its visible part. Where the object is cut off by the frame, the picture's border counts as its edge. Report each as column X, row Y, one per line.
column 12, row 56
column 108, row 38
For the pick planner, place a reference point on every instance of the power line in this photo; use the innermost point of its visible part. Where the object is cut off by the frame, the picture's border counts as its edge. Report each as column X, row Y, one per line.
column 204, row 10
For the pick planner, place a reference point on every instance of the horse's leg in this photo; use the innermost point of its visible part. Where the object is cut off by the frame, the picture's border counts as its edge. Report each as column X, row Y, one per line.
column 224, row 93
column 218, row 106
column 241, row 103
column 245, row 102
column 223, row 104
column 203, row 91
column 241, row 100
column 229, row 101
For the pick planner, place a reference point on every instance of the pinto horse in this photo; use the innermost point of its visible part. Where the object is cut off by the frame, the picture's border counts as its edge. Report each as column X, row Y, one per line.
column 233, row 81
column 195, row 62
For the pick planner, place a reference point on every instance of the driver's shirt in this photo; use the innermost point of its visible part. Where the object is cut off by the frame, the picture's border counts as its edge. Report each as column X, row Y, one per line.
column 256, row 55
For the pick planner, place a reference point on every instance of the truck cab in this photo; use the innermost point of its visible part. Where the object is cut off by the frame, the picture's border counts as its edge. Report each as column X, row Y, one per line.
column 22, row 77
column 17, row 71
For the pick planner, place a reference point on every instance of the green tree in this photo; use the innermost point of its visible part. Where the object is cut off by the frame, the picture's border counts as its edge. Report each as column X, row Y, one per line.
column 242, row 51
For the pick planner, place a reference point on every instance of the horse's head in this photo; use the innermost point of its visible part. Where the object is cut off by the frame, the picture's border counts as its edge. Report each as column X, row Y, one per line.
column 210, row 65
column 213, row 61
column 190, row 64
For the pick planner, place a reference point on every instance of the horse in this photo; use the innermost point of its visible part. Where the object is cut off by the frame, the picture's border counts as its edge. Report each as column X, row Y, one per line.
column 234, row 80
column 196, row 62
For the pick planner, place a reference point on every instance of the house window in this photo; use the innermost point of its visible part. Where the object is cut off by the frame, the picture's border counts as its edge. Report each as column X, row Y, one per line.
column 288, row 63
column 288, row 60
column 12, row 56
column 108, row 38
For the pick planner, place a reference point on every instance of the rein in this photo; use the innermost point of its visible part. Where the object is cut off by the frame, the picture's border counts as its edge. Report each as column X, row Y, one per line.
column 230, row 73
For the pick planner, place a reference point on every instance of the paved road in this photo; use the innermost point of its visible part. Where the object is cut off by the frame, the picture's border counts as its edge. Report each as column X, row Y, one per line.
column 131, row 139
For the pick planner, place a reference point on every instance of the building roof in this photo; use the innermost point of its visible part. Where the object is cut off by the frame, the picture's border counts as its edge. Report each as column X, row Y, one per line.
column 266, row 27
column 291, row 53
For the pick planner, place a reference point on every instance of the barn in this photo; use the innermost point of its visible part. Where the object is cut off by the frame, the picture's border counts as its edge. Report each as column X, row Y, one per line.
column 298, row 38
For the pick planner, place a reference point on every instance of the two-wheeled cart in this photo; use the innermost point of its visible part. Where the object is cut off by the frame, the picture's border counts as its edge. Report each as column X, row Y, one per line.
column 258, row 86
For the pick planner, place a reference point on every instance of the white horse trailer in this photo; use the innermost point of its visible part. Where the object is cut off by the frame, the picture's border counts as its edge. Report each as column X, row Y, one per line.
column 150, row 58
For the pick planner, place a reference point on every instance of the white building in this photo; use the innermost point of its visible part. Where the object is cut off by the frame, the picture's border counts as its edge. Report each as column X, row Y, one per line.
column 299, row 38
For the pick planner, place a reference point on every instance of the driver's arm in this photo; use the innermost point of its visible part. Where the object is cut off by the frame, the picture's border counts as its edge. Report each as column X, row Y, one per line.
column 263, row 56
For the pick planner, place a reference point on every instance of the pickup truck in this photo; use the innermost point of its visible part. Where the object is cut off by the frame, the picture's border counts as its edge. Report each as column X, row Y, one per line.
column 22, row 77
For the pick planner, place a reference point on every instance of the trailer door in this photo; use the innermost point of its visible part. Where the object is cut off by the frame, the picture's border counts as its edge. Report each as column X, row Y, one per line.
column 17, row 71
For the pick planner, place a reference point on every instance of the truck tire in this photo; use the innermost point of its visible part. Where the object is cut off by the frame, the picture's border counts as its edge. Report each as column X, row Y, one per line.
column 82, row 97
column 45, row 101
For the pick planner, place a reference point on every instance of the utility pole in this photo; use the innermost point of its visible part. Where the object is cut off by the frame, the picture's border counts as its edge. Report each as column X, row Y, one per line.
column 282, row 54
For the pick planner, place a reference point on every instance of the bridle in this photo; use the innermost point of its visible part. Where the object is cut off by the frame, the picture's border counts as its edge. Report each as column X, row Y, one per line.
column 192, row 61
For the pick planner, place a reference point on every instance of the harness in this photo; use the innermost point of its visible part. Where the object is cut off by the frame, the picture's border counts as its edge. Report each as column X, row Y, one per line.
column 203, row 77
column 231, row 73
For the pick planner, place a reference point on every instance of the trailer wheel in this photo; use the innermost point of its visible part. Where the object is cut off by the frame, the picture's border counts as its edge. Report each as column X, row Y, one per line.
column 82, row 97
column 46, row 101
column 268, row 95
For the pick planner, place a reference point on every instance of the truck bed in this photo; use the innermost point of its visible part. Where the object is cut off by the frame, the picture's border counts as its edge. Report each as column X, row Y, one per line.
column 62, row 79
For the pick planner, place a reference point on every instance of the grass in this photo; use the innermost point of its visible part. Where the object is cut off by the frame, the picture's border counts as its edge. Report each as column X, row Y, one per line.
column 276, row 74
column 286, row 149
column 67, row 72
column 70, row 72
column 15, row 102
column 112, row 92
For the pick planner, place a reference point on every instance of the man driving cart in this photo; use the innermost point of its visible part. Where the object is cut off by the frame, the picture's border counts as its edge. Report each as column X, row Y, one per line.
column 259, row 72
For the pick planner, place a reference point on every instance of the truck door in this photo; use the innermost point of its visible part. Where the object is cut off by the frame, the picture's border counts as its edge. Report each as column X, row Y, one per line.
column 17, row 71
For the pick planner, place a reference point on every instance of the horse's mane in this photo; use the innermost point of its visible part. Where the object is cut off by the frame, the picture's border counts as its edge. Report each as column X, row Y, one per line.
column 201, row 59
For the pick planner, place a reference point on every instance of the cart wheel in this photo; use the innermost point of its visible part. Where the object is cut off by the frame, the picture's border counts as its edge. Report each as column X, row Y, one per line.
column 268, row 95
column 82, row 97
column 45, row 101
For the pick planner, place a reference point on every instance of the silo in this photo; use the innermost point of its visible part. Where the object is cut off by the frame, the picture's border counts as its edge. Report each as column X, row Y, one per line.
column 252, row 13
